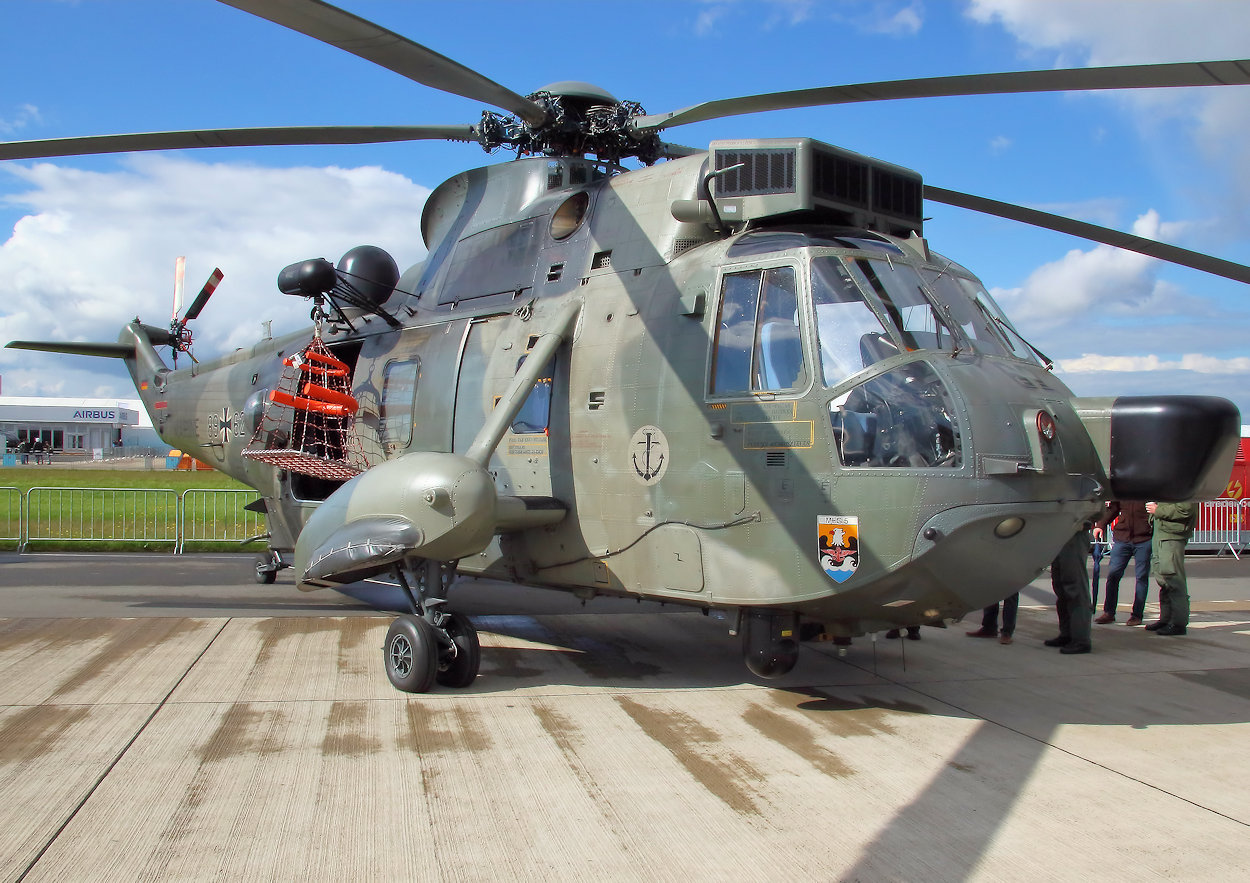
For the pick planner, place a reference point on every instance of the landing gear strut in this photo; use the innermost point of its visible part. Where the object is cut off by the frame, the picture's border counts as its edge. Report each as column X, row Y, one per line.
column 430, row 644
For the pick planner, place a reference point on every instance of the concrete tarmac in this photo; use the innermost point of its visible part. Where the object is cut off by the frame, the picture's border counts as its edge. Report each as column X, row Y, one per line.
column 160, row 722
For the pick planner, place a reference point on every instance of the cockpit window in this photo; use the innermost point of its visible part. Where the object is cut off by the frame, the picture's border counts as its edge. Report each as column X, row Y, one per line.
column 903, row 418
column 900, row 293
column 1017, row 344
column 977, row 325
column 851, row 336
column 758, row 347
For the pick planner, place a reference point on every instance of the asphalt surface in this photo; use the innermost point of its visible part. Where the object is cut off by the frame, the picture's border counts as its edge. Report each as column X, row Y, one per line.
column 116, row 584
column 166, row 718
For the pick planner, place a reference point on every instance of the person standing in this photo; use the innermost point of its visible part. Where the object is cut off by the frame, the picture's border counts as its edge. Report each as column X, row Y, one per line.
column 1070, row 582
column 989, row 620
column 1173, row 526
column 1132, row 534
column 1098, row 550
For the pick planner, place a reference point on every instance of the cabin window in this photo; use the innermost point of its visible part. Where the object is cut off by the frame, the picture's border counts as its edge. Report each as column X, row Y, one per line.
column 758, row 347
column 535, row 414
column 399, row 390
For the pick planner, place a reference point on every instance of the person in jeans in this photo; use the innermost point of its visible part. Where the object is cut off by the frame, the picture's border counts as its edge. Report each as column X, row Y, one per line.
column 989, row 620
column 1132, row 534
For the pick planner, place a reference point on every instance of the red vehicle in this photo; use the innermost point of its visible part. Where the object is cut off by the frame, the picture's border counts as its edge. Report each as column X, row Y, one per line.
column 1239, row 482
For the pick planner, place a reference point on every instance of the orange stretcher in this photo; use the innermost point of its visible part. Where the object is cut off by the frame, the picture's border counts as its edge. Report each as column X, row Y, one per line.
column 318, row 363
column 318, row 400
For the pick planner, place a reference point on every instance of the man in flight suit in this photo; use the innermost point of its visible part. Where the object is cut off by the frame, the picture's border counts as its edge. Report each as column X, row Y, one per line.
column 1173, row 526
column 1070, row 582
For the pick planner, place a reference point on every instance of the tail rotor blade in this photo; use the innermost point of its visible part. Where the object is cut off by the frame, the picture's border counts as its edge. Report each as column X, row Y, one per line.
column 205, row 293
column 180, row 269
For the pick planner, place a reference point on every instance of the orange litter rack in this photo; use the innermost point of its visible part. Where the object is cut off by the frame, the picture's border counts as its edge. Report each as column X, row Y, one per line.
column 308, row 420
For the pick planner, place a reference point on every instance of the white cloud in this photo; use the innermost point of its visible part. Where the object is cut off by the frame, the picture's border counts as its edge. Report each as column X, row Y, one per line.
column 774, row 14
column 1102, row 278
column 1214, row 122
column 1106, row 211
column 904, row 21
column 888, row 17
column 1122, row 31
column 27, row 114
column 1137, row 333
column 1199, row 363
column 96, row 249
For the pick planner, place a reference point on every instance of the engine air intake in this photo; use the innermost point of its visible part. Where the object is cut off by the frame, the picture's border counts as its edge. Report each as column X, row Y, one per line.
column 780, row 177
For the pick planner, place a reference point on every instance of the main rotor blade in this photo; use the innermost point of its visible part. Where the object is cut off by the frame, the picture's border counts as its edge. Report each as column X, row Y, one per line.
column 369, row 41
column 1149, row 247
column 1140, row 76
column 265, row 137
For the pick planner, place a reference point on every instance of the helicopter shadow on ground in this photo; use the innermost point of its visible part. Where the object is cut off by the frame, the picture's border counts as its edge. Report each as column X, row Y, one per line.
column 1036, row 711
column 534, row 637
column 1123, row 709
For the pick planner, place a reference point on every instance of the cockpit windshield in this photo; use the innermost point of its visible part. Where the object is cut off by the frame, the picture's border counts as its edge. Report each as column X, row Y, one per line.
column 868, row 309
column 1016, row 345
column 900, row 294
column 966, row 312
column 850, row 335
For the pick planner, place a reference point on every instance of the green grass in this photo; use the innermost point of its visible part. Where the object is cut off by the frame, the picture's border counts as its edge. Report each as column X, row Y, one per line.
column 142, row 521
column 25, row 477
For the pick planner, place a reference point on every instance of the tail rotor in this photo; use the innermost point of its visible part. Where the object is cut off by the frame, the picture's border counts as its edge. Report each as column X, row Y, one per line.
column 179, row 333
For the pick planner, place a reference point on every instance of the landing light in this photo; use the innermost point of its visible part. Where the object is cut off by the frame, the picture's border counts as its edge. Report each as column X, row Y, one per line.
column 1009, row 527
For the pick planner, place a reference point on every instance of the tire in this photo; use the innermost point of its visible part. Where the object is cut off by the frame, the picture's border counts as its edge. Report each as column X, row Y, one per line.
column 459, row 669
column 265, row 572
column 410, row 654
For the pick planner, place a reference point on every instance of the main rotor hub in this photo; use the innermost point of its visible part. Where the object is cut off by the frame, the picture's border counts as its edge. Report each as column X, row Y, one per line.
column 582, row 120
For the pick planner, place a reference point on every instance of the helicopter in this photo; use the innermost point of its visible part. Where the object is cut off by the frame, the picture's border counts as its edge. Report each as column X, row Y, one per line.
column 735, row 378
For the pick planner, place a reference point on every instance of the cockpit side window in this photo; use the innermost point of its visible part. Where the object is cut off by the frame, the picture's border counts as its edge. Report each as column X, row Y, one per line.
column 758, row 345
column 851, row 336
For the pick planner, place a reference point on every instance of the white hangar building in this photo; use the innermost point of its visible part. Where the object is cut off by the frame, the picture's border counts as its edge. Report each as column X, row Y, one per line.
column 76, row 425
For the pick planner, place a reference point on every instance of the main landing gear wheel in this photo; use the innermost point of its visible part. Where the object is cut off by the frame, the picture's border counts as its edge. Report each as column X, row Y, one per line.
column 458, row 664
column 266, row 571
column 411, row 654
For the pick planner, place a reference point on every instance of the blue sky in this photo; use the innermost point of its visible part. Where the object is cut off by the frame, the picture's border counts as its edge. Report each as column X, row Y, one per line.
column 86, row 244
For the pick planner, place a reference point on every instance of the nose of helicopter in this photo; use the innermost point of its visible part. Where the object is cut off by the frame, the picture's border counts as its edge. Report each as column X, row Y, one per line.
column 977, row 555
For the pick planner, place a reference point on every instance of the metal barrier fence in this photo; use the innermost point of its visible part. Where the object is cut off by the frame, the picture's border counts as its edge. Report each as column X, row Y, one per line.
column 156, row 515
column 1223, row 524
column 127, row 515
column 115, row 515
column 217, row 516
column 11, row 521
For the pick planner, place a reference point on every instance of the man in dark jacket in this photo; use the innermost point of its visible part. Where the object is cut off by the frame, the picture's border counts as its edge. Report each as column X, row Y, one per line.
column 1173, row 526
column 1132, row 534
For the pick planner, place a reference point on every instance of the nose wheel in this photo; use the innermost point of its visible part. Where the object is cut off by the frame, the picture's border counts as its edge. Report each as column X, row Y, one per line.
column 411, row 654
column 430, row 645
